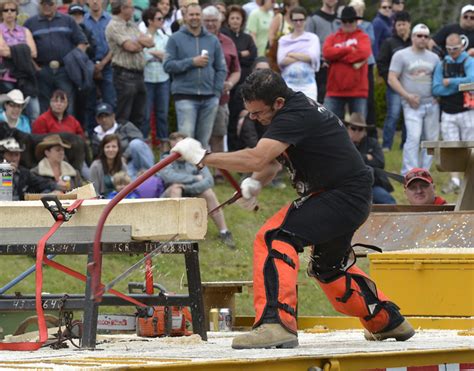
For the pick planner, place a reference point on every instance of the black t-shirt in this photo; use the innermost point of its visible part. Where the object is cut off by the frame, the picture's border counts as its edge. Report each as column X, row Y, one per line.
column 441, row 35
column 321, row 155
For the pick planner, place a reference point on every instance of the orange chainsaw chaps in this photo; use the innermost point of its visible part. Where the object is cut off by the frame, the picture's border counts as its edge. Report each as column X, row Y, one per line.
column 286, row 274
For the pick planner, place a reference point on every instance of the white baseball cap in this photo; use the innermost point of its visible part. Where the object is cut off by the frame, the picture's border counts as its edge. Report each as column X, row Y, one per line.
column 467, row 8
column 421, row 28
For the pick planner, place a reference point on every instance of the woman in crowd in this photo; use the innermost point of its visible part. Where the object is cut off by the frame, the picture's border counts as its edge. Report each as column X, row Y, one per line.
column 13, row 35
column 247, row 51
column 157, row 81
column 52, row 164
column 13, row 104
column 299, row 55
column 56, row 119
column 110, row 162
column 167, row 12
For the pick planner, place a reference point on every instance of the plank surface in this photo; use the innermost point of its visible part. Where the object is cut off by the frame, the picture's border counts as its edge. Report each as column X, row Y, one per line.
column 150, row 219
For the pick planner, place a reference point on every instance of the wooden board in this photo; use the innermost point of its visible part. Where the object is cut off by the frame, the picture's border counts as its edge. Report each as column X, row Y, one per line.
column 150, row 219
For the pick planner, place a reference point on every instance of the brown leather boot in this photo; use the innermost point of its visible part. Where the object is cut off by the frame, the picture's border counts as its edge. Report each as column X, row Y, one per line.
column 267, row 335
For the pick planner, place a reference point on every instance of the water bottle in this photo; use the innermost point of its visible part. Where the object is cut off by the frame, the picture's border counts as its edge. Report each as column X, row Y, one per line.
column 6, row 181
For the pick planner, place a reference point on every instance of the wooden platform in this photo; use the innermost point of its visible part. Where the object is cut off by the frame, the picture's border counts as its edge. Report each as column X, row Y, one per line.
column 149, row 219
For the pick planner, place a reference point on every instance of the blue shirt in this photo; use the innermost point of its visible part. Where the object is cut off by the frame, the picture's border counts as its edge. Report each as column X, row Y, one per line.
column 23, row 123
column 56, row 37
column 98, row 32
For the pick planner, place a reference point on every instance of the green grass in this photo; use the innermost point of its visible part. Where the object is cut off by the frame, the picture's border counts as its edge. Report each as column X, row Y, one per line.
column 217, row 262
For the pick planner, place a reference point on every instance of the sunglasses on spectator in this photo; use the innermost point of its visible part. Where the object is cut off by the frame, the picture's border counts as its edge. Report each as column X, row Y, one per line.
column 8, row 10
column 470, row 17
column 420, row 36
column 298, row 20
column 158, row 18
column 355, row 128
column 386, row 7
column 453, row 48
column 348, row 20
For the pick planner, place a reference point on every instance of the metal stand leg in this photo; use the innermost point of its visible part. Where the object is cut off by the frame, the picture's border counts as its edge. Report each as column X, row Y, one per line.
column 91, row 312
column 195, row 291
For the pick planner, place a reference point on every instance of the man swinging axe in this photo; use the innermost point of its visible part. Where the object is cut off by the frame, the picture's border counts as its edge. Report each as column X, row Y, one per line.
column 335, row 189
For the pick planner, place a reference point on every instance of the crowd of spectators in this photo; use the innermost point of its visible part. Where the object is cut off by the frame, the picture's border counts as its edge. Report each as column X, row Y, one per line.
column 86, row 88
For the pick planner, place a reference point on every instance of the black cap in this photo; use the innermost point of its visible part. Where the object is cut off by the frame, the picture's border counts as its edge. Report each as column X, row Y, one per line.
column 104, row 108
column 349, row 14
column 402, row 16
column 76, row 8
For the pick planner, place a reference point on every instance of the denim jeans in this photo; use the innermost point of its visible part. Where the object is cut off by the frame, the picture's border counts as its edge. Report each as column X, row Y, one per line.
column 141, row 157
column 158, row 99
column 196, row 117
column 336, row 105
column 107, row 95
column 422, row 123
column 50, row 80
column 394, row 108
column 381, row 196
column 131, row 96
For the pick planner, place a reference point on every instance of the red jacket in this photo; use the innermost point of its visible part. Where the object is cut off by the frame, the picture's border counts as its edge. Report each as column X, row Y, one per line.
column 342, row 50
column 47, row 123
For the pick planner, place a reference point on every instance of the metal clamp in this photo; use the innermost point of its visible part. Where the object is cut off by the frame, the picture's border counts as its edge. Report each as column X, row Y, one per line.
column 52, row 204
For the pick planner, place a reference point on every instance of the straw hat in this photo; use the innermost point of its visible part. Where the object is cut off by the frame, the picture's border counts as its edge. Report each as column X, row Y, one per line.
column 48, row 142
column 357, row 119
column 15, row 96
column 10, row 145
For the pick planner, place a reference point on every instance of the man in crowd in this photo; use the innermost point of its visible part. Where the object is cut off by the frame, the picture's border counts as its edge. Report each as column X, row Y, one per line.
column 137, row 153
column 347, row 51
column 183, row 179
column 465, row 28
column 126, row 43
column 400, row 40
column 24, row 181
column 335, row 189
column 323, row 23
column 198, row 75
column 372, row 154
column 420, row 188
column 457, row 120
column 258, row 24
column 96, row 20
column 55, row 35
column 410, row 75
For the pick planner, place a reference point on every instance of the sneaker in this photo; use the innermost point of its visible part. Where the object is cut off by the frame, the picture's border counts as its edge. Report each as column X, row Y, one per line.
column 450, row 187
column 227, row 238
column 267, row 335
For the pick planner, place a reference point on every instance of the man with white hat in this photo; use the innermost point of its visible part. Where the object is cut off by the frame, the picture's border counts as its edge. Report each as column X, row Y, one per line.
column 465, row 28
column 13, row 104
column 24, row 181
column 410, row 75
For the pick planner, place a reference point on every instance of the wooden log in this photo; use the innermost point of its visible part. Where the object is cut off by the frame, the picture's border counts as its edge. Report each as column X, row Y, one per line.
column 150, row 219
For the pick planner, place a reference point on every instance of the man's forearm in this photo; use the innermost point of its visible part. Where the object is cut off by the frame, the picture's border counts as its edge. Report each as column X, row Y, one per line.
column 242, row 161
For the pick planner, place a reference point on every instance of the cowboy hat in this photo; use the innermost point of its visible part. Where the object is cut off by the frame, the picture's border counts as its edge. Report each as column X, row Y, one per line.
column 15, row 96
column 349, row 14
column 48, row 142
column 357, row 119
column 10, row 145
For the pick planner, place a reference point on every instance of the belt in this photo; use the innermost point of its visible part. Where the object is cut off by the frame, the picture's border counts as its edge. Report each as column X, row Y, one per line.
column 54, row 64
column 123, row 70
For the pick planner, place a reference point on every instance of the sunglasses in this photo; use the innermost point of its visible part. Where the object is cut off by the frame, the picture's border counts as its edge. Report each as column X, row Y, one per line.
column 355, row 128
column 417, row 174
column 158, row 18
column 387, row 7
column 422, row 36
column 453, row 48
column 8, row 10
column 348, row 20
column 298, row 20
column 470, row 17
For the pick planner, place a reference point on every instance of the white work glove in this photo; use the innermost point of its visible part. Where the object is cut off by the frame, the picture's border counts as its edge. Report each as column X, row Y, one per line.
column 250, row 189
column 190, row 150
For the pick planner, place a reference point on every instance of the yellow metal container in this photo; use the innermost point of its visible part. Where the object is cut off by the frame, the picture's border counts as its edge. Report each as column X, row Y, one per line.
column 427, row 282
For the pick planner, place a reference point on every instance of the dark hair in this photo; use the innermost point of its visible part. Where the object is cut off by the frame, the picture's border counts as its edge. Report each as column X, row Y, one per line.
column 260, row 60
column 149, row 14
column 298, row 10
column 61, row 94
column 117, row 163
column 401, row 16
column 264, row 85
column 236, row 9
column 116, row 6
